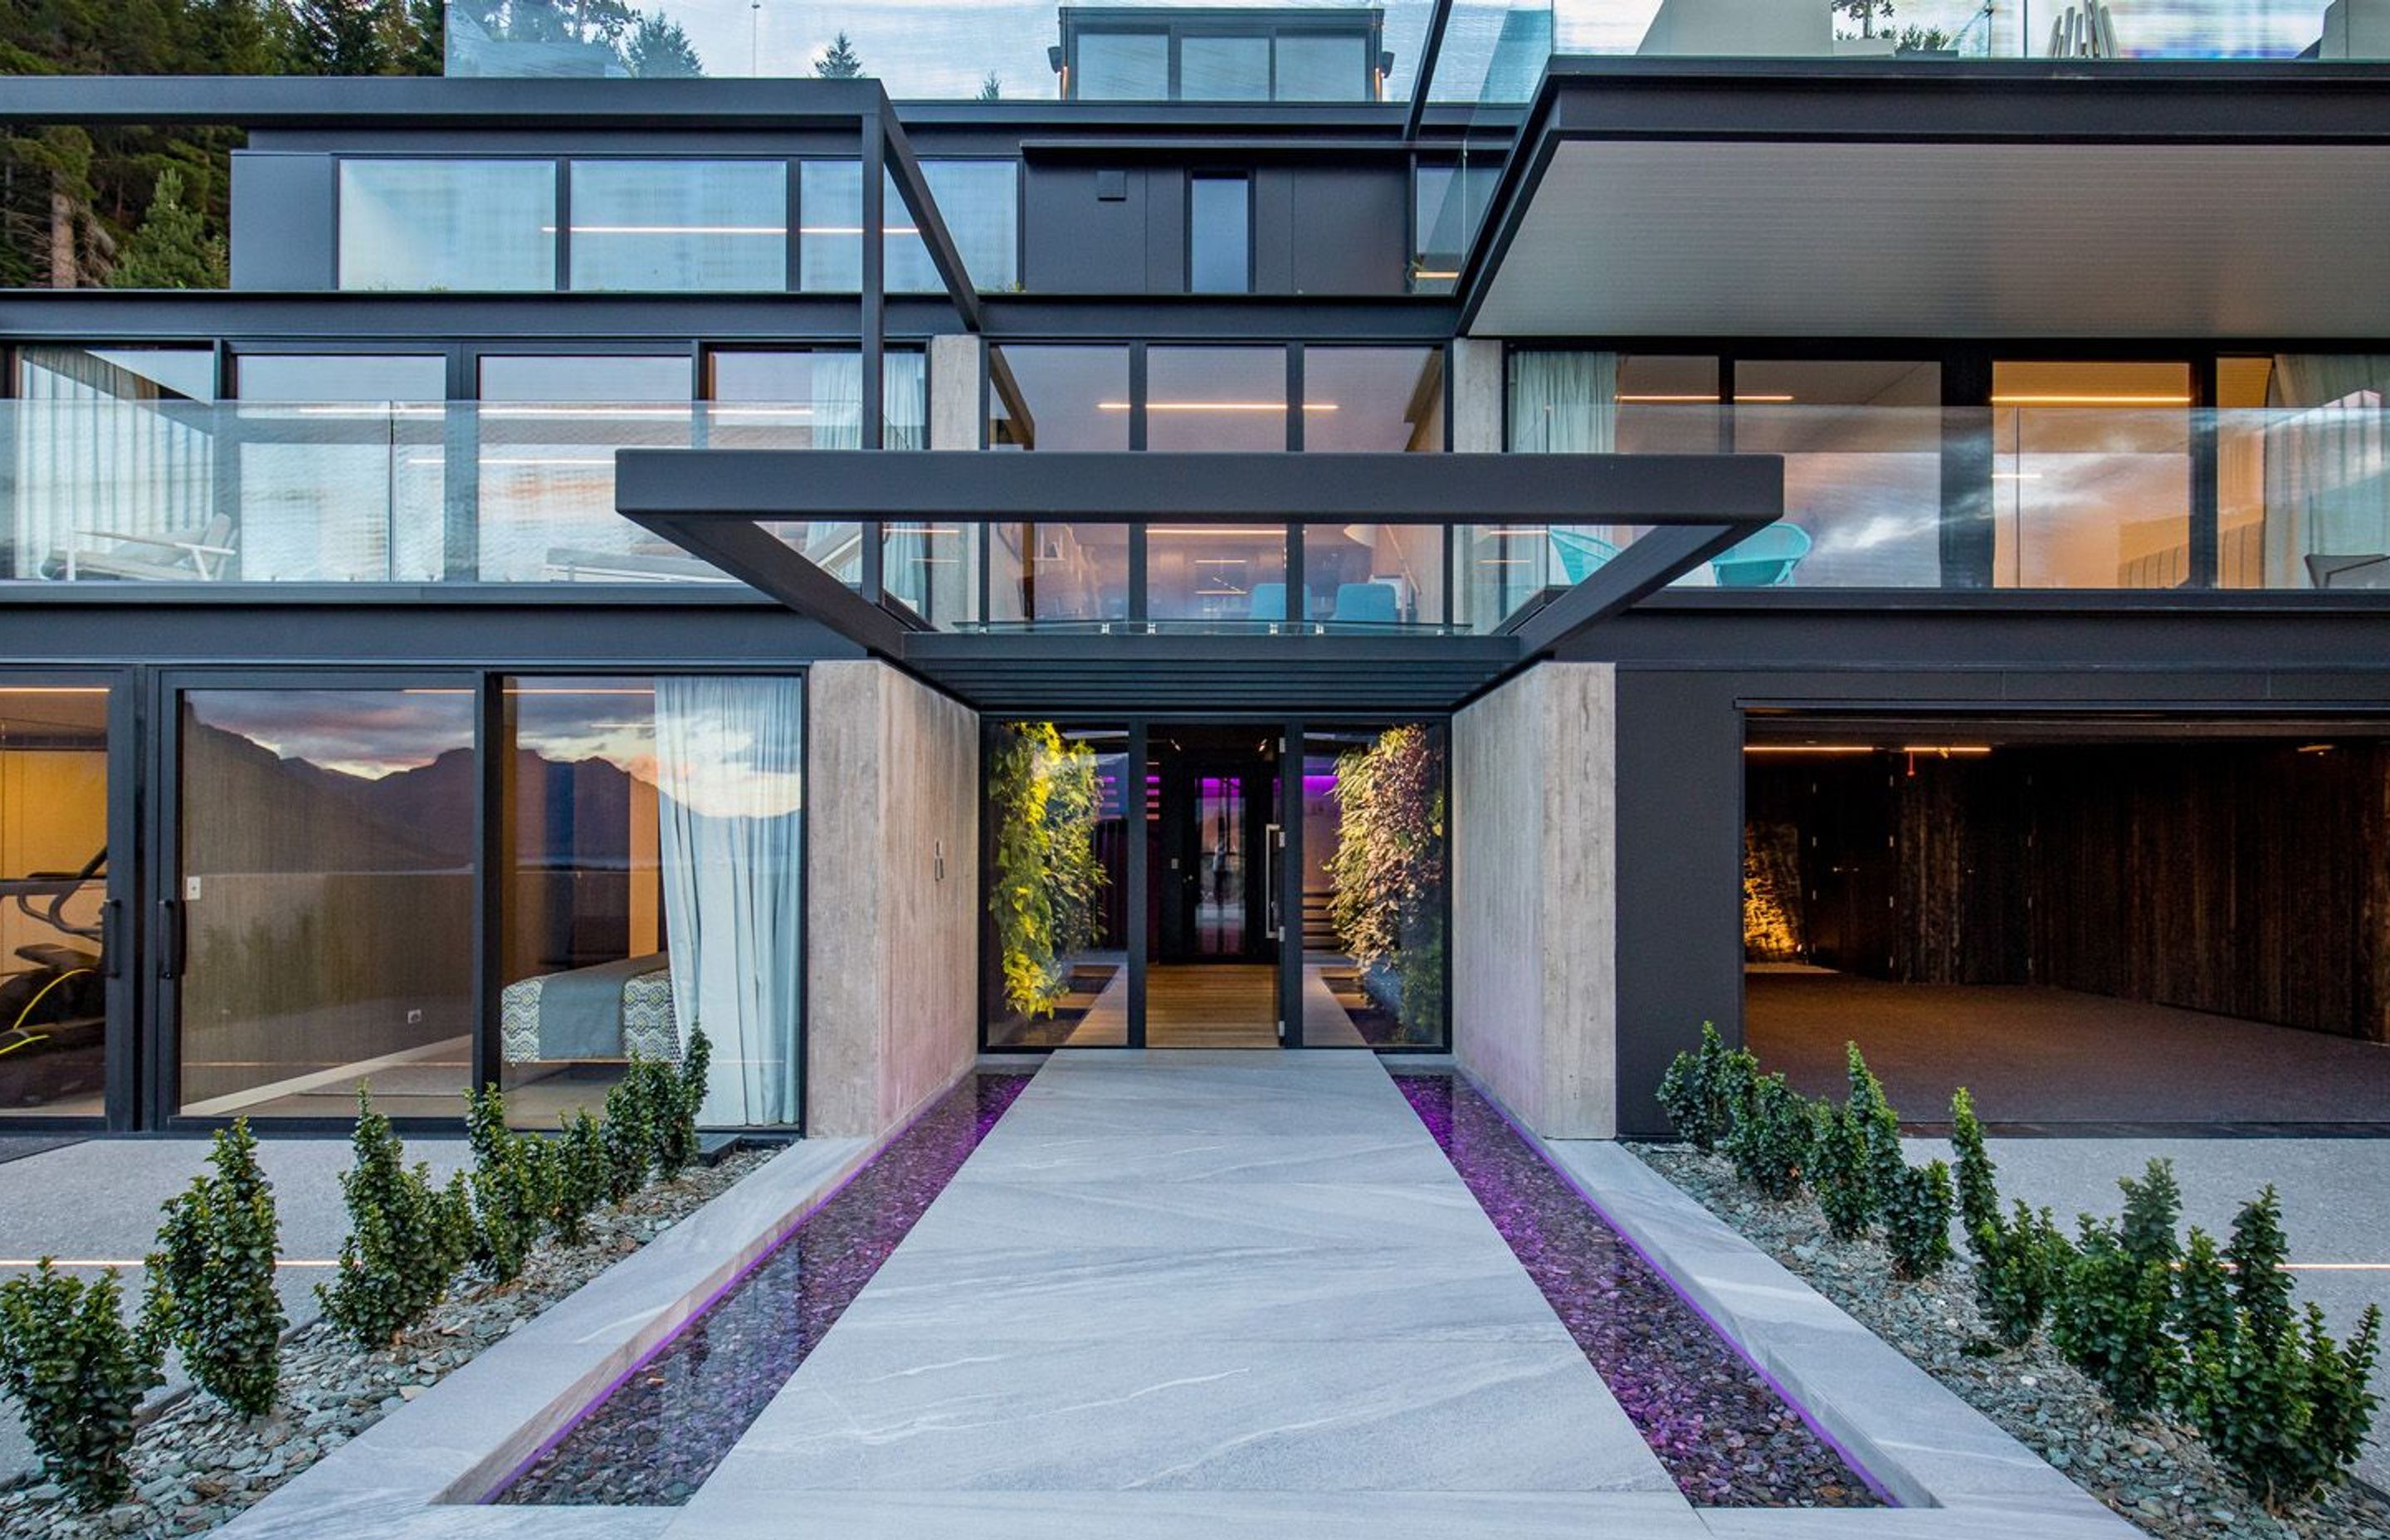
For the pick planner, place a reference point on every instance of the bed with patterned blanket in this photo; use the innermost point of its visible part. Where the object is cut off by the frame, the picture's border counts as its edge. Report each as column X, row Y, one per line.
column 608, row 1010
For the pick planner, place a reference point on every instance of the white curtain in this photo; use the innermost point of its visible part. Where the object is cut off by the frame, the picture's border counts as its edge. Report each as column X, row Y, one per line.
column 97, row 449
column 2327, row 461
column 729, row 766
column 1562, row 403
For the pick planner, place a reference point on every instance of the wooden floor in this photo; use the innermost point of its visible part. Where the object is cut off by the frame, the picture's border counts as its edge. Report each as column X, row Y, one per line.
column 1215, row 1006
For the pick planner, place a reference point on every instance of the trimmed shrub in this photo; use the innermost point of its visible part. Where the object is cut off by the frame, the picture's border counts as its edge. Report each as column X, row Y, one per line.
column 1879, row 1126
column 1979, row 1189
column 1705, row 1087
column 1916, row 1220
column 1769, row 1141
column 513, row 1189
column 2111, row 1315
column 407, row 1239
column 2153, row 1207
column 678, row 1093
column 2260, row 1287
column 2337, row 1379
column 215, row 1260
column 1839, row 1171
column 78, row 1373
column 2287, row 1419
column 2020, row 1263
column 624, row 1134
column 579, row 1164
column 2203, row 1292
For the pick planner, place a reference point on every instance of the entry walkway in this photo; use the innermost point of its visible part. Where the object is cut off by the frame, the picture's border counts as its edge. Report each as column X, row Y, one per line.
column 1196, row 1293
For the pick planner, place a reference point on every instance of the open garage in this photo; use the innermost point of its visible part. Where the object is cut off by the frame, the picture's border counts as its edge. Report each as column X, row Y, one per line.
column 2127, row 925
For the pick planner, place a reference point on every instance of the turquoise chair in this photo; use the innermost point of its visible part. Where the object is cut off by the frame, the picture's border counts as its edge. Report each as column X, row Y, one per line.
column 1581, row 554
column 1269, row 602
column 1763, row 561
column 1365, row 604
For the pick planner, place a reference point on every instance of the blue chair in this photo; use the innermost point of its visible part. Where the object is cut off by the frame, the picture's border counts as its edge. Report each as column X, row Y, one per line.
column 1268, row 601
column 1365, row 604
column 1763, row 561
column 1581, row 554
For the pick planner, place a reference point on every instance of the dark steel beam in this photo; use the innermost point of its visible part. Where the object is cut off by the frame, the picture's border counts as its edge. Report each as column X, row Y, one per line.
column 1649, row 563
column 1431, row 51
column 765, row 562
column 728, row 485
column 304, row 101
column 913, row 185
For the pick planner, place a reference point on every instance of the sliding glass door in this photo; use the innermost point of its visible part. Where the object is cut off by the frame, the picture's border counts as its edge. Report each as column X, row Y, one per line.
column 315, row 928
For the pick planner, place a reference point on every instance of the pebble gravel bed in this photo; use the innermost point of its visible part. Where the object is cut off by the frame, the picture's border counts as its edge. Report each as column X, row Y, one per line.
column 1724, row 1434
column 2153, row 1472
column 664, row 1430
column 196, row 1465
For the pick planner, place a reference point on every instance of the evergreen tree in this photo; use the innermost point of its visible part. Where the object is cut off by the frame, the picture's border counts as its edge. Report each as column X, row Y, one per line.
column 343, row 37
column 171, row 249
column 991, row 89
column 840, row 61
column 658, row 49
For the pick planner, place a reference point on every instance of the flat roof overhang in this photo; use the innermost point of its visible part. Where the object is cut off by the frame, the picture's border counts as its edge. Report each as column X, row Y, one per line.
column 715, row 504
column 1939, row 199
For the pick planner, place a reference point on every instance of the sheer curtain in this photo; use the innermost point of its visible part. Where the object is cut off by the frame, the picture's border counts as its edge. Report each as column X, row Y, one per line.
column 99, row 447
column 2326, row 462
column 729, row 766
column 1564, row 403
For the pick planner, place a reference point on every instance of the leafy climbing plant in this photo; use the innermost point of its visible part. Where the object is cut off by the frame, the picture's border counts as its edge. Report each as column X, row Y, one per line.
column 1044, row 900
column 1386, row 876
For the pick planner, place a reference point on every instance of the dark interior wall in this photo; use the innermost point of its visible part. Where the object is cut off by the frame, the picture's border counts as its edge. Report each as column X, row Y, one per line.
column 2247, row 879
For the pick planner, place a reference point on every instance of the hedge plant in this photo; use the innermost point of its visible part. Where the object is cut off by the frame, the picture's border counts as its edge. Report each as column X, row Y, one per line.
column 1769, row 1141
column 1705, row 1088
column 407, row 1239
column 215, row 1260
column 78, row 1372
column 1916, row 1220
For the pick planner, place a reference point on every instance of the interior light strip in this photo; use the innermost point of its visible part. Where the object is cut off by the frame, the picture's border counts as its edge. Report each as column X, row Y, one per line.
column 855, row 229
column 2061, row 399
column 1215, row 406
column 1808, row 749
column 672, row 229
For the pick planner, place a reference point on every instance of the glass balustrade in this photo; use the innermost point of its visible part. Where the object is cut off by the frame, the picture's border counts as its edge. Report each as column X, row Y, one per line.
column 2040, row 490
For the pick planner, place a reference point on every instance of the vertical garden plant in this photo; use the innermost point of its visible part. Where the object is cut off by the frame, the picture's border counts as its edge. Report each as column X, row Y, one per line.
column 1048, row 800
column 1386, row 894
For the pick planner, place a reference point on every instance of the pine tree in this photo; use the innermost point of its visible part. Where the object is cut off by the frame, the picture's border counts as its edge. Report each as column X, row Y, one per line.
column 840, row 61
column 171, row 249
column 991, row 89
column 658, row 49
column 343, row 37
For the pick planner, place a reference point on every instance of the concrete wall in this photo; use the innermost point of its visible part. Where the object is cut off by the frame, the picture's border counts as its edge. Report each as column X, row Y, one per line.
column 891, row 896
column 1534, row 920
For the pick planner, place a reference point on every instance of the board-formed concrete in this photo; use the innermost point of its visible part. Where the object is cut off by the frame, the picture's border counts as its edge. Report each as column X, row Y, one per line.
column 892, row 896
column 1175, row 1289
column 1535, row 953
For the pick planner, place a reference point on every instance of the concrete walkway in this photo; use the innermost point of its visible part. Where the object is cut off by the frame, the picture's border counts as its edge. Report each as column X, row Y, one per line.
column 1198, row 1293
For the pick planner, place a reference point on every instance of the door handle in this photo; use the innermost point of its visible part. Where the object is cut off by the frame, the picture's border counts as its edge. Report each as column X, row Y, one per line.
column 111, row 938
column 170, row 939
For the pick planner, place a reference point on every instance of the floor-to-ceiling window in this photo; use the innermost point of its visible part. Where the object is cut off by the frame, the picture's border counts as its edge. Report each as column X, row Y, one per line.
column 1374, row 899
column 56, row 981
column 2091, row 474
column 1055, row 950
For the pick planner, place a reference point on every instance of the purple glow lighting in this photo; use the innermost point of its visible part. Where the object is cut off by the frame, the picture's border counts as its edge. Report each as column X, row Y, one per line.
column 1727, row 1435
column 655, row 1436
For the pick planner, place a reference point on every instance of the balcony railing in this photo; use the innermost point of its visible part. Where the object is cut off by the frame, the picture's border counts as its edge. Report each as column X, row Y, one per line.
column 2023, row 495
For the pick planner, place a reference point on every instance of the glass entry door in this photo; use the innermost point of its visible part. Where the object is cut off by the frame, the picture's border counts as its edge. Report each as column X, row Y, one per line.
column 66, row 995
column 1213, row 978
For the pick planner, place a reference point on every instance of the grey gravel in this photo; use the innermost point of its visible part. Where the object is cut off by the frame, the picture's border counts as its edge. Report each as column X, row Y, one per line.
column 196, row 1465
column 2153, row 1472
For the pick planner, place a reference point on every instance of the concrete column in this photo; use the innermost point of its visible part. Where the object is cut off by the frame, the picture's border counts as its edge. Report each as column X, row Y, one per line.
column 1477, row 395
column 891, row 905
column 1534, row 954
column 954, row 391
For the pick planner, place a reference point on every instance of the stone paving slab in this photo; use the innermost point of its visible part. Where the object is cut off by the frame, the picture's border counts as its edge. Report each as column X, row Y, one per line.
column 1287, row 1344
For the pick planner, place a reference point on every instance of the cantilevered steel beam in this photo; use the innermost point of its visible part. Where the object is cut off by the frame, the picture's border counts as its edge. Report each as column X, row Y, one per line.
column 693, row 486
column 1650, row 562
column 754, row 556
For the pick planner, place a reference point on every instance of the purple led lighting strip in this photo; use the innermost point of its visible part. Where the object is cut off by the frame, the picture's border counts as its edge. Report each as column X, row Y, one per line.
column 1728, row 1433
column 653, row 1436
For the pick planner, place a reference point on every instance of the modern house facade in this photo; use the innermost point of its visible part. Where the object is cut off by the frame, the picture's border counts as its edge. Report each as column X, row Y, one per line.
column 1787, row 532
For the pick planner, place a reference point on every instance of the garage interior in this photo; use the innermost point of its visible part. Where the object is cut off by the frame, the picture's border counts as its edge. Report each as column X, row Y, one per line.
column 2122, row 925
